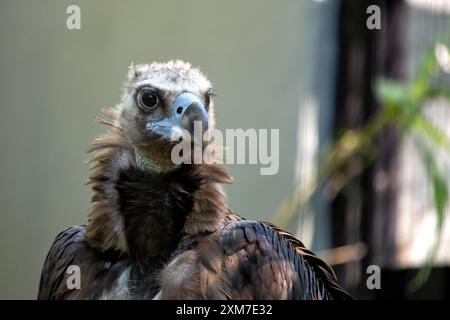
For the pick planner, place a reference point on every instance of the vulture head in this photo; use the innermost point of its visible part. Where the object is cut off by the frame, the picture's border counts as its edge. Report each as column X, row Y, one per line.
column 162, row 104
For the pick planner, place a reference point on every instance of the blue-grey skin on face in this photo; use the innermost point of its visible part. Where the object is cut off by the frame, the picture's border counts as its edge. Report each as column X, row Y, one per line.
column 187, row 112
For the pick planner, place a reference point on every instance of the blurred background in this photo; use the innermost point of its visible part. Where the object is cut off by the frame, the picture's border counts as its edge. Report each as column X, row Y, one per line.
column 363, row 117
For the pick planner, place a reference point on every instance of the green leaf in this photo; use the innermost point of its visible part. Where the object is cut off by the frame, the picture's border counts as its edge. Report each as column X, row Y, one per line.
column 440, row 198
column 423, row 126
column 391, row 93
column 439, row 184
column 438, row 91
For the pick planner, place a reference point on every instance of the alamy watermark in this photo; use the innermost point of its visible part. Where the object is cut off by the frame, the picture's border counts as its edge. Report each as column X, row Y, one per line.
column 374, row 20
column 73, row 21
column 374, row 280
column 236, row 146
column 74, row 280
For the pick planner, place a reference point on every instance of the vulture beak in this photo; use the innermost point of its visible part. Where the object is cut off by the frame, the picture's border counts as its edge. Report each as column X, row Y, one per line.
column 187, row 113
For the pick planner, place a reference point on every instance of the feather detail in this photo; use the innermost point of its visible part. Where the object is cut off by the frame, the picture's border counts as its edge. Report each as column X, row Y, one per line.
column 110, row 153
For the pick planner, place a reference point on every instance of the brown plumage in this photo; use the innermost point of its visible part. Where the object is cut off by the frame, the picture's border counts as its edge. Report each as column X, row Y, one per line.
column 164, row 231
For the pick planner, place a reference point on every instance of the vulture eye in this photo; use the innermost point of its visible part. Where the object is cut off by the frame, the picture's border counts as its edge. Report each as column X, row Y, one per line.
column 147, row 99
column 208, row 96
column 207, row 101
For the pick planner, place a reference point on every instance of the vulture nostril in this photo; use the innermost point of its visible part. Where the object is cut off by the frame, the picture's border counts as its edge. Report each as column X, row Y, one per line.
column 179, row 110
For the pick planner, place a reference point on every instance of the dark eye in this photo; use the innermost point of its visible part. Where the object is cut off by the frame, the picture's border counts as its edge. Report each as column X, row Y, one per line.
column 208, row 99
column 147, row 99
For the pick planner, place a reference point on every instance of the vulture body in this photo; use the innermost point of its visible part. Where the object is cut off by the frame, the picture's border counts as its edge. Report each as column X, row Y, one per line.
column 157, row 230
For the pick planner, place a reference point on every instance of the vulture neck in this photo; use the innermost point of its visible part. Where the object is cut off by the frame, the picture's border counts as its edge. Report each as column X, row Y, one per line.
column 148, row 165
column 143, row 213
column 153, row 223
column 160, row 207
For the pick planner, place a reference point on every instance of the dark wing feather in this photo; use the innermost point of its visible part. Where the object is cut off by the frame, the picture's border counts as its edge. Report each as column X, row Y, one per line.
column 264, row 262
column 63, row 253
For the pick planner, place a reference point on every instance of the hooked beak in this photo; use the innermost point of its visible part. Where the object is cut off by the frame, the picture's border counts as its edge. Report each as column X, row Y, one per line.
column 187, row 114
